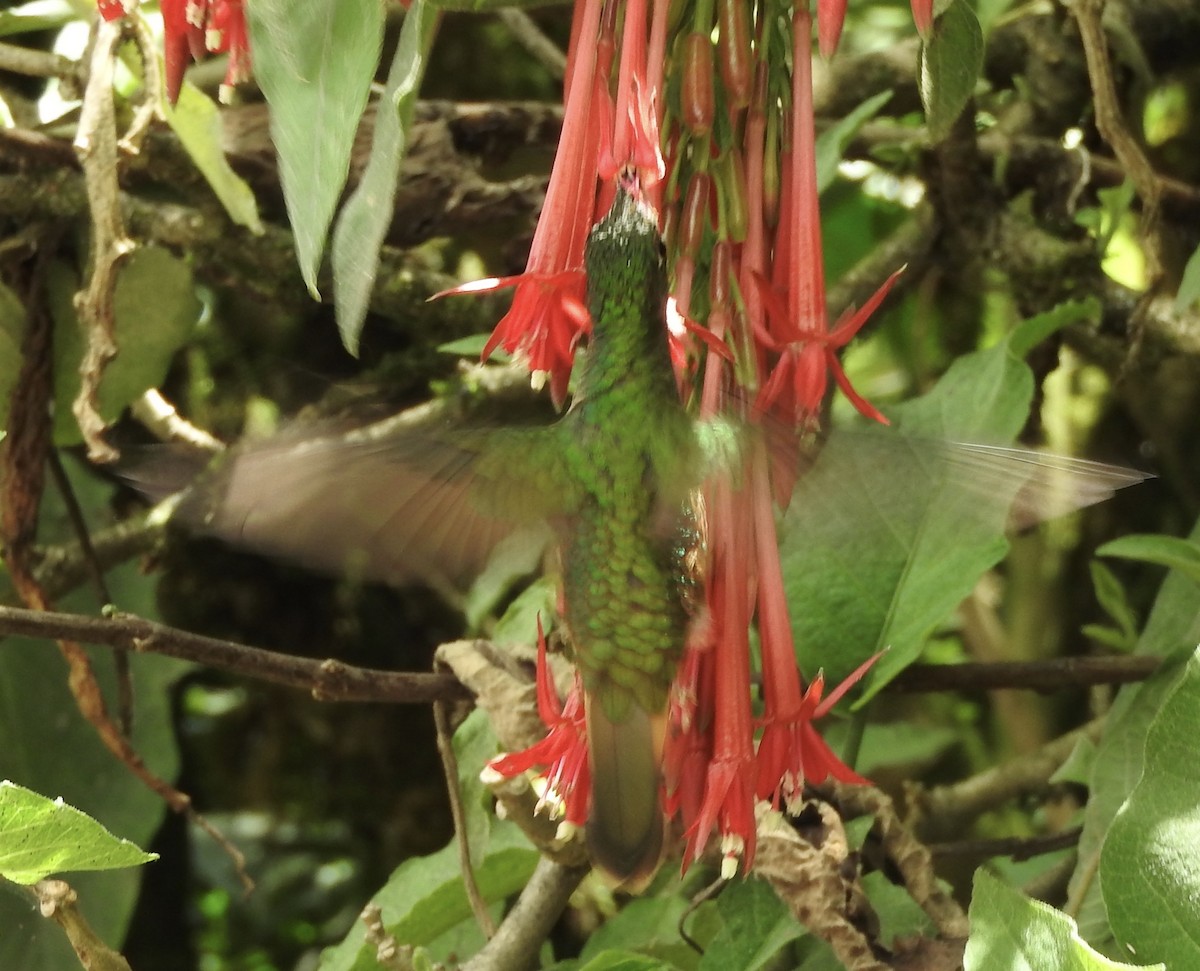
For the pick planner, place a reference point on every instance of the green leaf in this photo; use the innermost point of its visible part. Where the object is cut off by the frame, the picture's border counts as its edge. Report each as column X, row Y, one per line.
column 474, row 744
column 368, row 213
column 314, row 63
column 156, row 308
column 949, row 67
column 12, row 332
column 1010, row 931
column 1111, row 596
column 882, row 540
column 40, row 836
column 519, row 623
column 899, row 915
column 1029, row 333
column 424, row 899
column 1172, row 631
column 471, row 347
column 1150, row 862
column 758, row 925
column 1189, row 286
column 197, row 123
column 1179, row 554
column 647, row 926
column 831, row 145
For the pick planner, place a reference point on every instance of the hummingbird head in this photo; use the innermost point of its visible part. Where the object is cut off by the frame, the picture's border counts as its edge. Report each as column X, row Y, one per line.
column 625, row 242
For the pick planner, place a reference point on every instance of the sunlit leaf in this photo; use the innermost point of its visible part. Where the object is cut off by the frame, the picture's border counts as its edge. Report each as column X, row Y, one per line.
column 1010, row 931
column 1172, row 631
column 40, row 836
column 1189, row 286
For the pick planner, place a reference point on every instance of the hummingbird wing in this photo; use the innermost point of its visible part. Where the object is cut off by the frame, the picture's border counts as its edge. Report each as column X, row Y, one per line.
column 1028, row 485
column 395, row 505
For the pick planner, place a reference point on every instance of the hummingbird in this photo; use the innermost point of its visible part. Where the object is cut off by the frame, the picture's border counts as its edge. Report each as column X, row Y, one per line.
column 610, row 479
column 608, row 487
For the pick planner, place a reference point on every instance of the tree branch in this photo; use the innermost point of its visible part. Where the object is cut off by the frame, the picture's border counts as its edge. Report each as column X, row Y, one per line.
column 524, row 930
column 1049, row 675
column 327, row 680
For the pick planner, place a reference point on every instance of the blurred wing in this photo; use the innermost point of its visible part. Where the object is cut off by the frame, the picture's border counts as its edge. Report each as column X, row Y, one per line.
column 1043, row 485
column 410, row 507
column 1031, row 485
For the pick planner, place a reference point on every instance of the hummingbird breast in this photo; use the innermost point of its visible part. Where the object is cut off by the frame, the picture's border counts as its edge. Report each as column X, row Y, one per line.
column 623, row 606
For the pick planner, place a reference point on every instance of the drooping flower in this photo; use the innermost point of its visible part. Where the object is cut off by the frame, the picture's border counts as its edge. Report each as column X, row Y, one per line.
column 548, row 315
column 796, row 325
column 192, row 27
column 561, row 757
column 727, row 803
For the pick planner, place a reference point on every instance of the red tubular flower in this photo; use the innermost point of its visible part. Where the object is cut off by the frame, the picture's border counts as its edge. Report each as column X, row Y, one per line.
column 728, row 802
column 548, row 314
column 797, row 327
column 790, row 750
column 562, row 755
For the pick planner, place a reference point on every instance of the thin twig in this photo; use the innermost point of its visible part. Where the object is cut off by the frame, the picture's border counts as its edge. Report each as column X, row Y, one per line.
column 1110, row 122
column 445, row 745
column 99, row 584
column 59, row 569
column 1046, row 675
column 59, row 902
column 327, row 680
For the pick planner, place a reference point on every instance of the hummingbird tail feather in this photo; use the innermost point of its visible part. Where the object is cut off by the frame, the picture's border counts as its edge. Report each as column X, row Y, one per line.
column 625, row 828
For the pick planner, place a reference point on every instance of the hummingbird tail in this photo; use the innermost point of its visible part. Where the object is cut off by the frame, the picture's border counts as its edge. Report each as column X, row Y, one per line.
column 625, row 828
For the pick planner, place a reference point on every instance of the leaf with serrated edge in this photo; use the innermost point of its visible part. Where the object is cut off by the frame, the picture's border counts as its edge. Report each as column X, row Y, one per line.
column 1010, row 931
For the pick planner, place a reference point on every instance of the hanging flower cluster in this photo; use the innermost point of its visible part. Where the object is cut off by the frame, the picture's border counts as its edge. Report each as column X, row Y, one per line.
column 192, row 29
column 735, row 184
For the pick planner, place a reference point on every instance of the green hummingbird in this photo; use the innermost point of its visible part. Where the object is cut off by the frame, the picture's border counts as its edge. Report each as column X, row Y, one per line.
column 611, row 478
